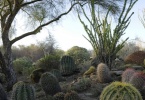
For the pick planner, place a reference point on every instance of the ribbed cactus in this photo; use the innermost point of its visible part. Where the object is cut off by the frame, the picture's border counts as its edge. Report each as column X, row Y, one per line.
column 67, row 65
column 127, row 74
column 50, row 84
column 57, row 74
column 138, row 80
column 120, row 91
column 3, row 95
column 103, row 73
column 59, row 96
column 71, row 95
column 23, row 91
column 36, row 74
column 90, row 70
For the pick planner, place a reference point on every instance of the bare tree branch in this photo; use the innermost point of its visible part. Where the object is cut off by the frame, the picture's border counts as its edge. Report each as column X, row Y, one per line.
column 41, row 26
column 27, row 3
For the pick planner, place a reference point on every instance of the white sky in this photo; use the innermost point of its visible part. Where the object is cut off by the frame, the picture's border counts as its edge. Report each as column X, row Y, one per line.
column 69, row 32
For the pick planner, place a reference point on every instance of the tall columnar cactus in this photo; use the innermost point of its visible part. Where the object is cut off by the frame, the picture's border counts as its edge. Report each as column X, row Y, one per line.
column 127, row 74
column 57, row 74
column 138, row 80
column 103, row 73
column 71, row 95
column 67, row 65
column 23, row 91
column 120, row 91
column 3, row 95
column 50, row 84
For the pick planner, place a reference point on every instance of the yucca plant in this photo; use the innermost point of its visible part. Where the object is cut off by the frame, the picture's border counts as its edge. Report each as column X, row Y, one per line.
column 104, row 41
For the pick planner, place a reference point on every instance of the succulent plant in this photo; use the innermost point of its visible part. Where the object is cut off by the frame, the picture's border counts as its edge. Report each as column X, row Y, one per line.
column 3, row 95
column 67, row 66
column 103, row 73
column 59, row 96
column 90, row 70
column 127, row 74
column 49, row 84
column 138, row 80
column 120, row 91
column 71, row 95
column 57, row 74
column 36, row 74
column 23, row 91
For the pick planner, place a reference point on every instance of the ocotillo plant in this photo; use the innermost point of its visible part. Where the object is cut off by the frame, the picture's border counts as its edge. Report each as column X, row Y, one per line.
column 104, row 41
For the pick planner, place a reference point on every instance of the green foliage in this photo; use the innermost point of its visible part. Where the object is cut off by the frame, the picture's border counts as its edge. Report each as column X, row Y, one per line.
column 67, row 66
column 79, row 54
column 72, row 95
column 103, row 73
column 23, row 91
column 127, row 74
column 36, row 74
column 22, row 63
column 120, row 91
column 49, row 84
column 138, row 80
column 59, row 96
column 48, row 62
column 3, row 95
column 104, row 41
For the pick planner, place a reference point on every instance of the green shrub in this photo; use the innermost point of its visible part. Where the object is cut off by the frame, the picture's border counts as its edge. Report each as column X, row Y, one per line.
column 48, row 62
column 21, row 63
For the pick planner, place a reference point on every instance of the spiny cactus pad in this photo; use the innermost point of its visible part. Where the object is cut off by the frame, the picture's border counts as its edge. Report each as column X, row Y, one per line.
column 50, row 84
column 23, row 91
column 120, row 91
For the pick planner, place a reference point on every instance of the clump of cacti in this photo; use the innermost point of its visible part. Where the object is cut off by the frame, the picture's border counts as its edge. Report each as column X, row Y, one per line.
column 103, row 73
column 71, row 95
column 127, row 74
column 23, row 91
column 57, row 74
column 49, row 84
column 138, row 80
column 67, row 65
column 90, row 70
column 36, row 74
column 120, row 91
column 3, row 95
column 59, row 96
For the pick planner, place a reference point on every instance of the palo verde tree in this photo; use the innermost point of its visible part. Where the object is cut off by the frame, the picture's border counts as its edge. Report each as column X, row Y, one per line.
column 42, row 12
column 104, row 41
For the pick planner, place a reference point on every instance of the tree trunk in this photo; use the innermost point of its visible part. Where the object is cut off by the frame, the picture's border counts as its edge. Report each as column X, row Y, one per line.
column 7, row 67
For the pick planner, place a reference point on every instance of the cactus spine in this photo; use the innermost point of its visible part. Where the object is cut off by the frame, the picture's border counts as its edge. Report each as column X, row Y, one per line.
column 127, row 74
column 23, row 91
column 120, row 91
column 50, row 84
column 72, row 95
column 67, row 65
column 103, row 73
column 138, row 80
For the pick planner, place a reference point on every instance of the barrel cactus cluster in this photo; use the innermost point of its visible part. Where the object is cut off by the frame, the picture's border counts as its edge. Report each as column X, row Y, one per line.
column 23, row 91
column 67, row 65
column 120, row 91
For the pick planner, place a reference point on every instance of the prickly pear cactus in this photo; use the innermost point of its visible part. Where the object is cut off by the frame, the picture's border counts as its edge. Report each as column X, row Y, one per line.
column 90, row 70
column 23, row 91
column 3, row 95
column 120, row 91
column 50, row 84
column 127, row 74
column 59, row 96
column 103, row 73
column 72, row 95
column 67, row 65
column 57, row 74
column 138, row 80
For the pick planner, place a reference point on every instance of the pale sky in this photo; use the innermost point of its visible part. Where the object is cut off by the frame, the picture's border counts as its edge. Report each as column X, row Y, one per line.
column 69, row 32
